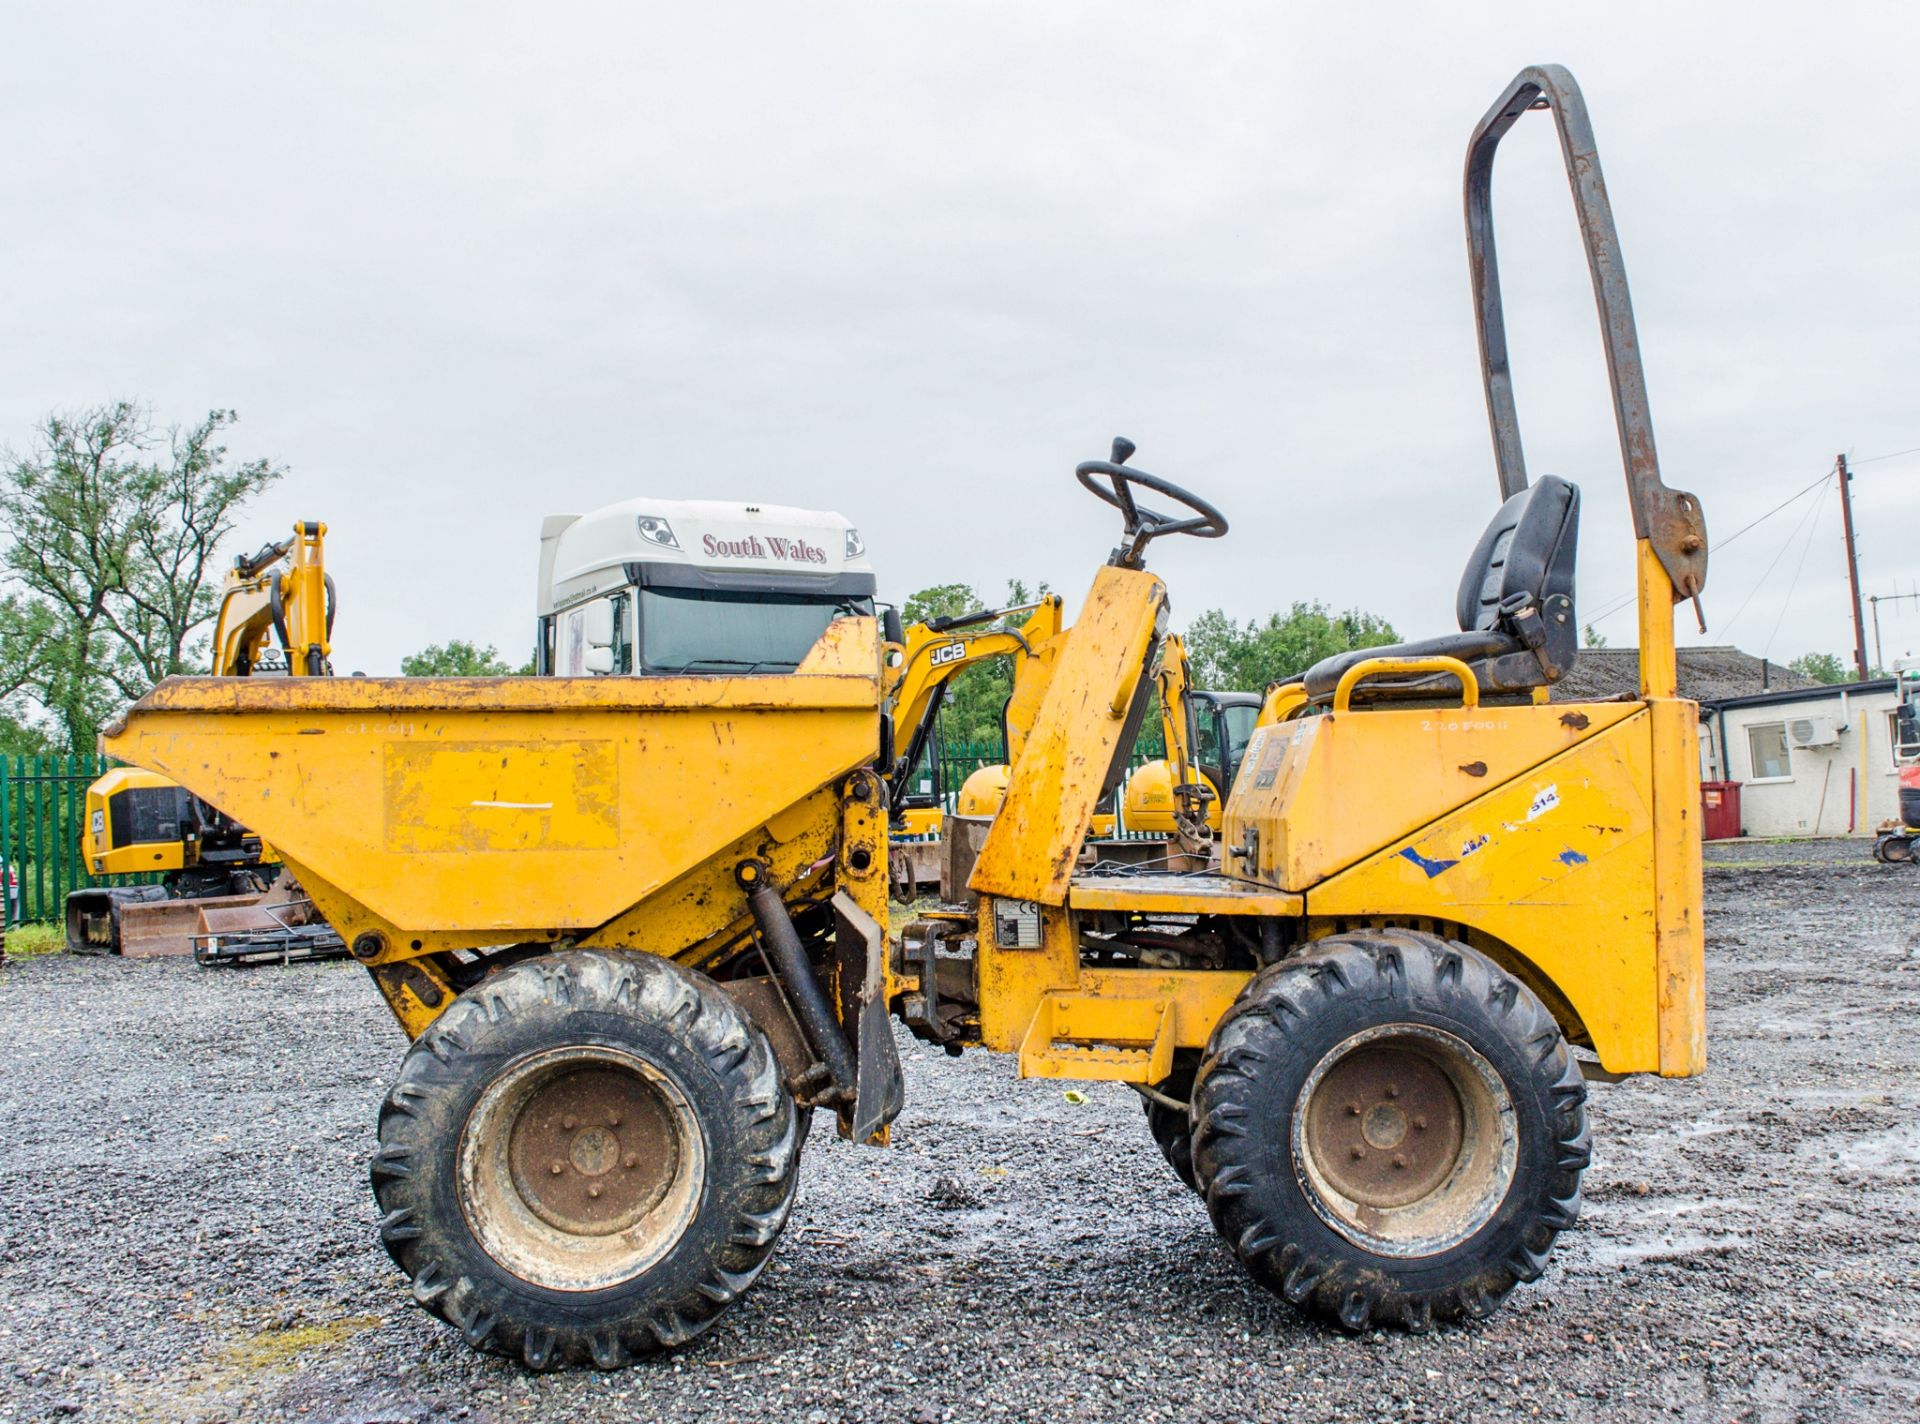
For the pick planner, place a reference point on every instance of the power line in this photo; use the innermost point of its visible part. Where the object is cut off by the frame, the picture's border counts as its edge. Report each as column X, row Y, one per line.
column 1787, row 602
column 1825, row 475
column 1894, row 455
column 1812, row 515
column 1613, row 608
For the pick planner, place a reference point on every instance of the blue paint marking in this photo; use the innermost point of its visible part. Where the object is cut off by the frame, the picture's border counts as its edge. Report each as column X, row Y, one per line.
column 1432, row 867
column 1570, row 856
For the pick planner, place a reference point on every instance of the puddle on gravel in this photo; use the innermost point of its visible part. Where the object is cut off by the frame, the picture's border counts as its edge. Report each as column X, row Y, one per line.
column 1898, row 1148
column 1692, row 1207
column 1790, row 1028
column 1660, row 1139
column 1610, row 1255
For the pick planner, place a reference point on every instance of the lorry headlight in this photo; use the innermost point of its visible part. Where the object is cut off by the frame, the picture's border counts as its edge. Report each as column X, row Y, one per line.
column 657, row 531
column 855, row 547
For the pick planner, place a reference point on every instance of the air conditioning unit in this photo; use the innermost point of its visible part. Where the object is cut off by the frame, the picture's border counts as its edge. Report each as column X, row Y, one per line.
column 1813, row 732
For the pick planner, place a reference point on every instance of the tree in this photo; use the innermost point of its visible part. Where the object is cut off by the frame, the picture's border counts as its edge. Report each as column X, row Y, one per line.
column 459, row 658
column 1248, row 657
column 19, row 739
column 943, row 600
column 110, row 567
column 1821, row 667
column 1594, row 638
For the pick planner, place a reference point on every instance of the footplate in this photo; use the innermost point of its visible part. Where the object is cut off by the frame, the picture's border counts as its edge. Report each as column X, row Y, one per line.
column 1091, row 1036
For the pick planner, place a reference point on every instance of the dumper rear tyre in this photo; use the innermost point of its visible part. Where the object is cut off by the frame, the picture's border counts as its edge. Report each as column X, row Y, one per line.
column 586, row 1158
column 1389, row 1130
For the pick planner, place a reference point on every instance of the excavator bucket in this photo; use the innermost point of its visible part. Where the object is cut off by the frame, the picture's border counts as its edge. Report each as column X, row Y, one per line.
column 139, row 921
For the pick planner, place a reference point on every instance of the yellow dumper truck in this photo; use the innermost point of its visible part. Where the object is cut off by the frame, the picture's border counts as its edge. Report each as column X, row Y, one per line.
column 635, row 925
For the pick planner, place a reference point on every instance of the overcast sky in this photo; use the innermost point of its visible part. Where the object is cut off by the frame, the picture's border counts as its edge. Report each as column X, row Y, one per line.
column 460, row 266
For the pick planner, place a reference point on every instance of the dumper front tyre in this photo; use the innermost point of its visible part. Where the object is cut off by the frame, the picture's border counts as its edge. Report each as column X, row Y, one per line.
column 586, row 1158
column 1389, row 1129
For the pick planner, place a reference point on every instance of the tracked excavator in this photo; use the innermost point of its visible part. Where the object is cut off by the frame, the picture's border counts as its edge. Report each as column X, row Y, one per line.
column 275, row 621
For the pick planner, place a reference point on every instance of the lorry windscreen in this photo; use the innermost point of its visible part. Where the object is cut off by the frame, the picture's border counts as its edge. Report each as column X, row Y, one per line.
column 701, row 630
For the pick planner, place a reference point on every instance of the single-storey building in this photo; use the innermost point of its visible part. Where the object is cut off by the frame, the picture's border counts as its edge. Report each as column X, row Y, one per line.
column 1812, row 762
column 1810, row 758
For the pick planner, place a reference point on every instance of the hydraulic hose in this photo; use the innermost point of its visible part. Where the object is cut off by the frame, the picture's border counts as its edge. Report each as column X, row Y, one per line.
column 790, row 962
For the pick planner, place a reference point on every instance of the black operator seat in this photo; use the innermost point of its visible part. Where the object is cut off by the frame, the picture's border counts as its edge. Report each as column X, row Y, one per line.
column 1515, row 607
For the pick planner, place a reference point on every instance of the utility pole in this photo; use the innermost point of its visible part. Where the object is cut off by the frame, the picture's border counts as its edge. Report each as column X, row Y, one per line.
column 1853, row 567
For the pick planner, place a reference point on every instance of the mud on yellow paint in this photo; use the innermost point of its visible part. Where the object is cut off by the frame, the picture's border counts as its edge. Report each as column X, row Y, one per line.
column 1056, row 780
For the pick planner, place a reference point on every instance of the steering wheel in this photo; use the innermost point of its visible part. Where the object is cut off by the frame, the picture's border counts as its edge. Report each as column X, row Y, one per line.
column 1144, row 524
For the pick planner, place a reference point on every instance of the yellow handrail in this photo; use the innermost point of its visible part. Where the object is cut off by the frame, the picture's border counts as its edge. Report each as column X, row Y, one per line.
column 1369, row 667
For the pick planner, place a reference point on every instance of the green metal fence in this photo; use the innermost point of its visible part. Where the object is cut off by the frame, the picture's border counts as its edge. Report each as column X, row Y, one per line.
column 43, row 807
column 959, row 760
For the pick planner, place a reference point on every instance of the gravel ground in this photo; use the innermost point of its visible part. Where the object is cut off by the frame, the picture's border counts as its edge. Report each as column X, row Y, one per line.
column 186, row 1231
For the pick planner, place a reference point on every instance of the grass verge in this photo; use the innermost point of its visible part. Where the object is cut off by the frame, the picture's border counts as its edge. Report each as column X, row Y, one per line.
column 27, row 941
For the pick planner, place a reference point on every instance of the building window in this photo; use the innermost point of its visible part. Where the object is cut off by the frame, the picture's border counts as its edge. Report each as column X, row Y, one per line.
column 1767, row 752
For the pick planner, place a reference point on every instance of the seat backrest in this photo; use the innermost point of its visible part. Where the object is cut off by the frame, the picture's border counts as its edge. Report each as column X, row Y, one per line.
column 1529, row 548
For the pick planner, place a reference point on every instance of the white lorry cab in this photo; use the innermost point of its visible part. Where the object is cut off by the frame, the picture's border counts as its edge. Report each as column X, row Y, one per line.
column 676, row 586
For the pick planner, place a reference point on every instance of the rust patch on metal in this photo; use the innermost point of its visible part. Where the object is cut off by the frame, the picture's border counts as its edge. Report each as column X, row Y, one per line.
column 1575, row 721
column 1386, row 1126
column 1474, row 768
column 592, row 1152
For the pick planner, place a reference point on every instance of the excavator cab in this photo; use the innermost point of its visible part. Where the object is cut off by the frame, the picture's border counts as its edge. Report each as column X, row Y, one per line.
column 1894, row 843
column 1223, row 725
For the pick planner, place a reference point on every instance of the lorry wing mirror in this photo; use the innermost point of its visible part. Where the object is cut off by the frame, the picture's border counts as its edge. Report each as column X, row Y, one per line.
column 598, row 660
column 890, row 627
column 598, row 625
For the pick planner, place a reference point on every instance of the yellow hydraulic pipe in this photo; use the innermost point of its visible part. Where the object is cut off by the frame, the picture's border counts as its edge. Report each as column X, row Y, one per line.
column 305, row 598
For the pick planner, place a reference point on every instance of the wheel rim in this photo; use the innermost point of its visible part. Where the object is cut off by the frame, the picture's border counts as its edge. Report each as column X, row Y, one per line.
column 1899, row 850
column 1404, row 1140
column 580, row 1167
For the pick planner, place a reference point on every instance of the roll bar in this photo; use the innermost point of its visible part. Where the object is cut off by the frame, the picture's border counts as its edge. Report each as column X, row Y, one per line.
column 1668, row 521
